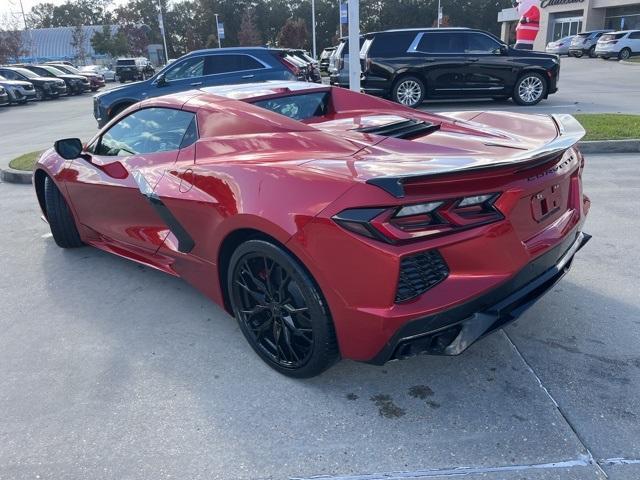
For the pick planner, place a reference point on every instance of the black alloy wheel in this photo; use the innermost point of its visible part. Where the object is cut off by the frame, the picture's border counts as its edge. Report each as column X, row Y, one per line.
column 280, row 310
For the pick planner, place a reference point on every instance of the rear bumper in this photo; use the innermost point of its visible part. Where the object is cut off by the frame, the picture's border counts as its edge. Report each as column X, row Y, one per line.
column 452, row 331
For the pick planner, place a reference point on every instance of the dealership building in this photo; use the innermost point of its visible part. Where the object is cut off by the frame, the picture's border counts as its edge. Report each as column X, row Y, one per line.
column 560, row 18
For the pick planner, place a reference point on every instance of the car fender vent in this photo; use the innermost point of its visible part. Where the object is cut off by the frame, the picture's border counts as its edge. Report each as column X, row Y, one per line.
column 402, row 129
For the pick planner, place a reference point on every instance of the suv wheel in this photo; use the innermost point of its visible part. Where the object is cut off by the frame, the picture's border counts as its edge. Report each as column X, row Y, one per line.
column 624, row 54
column 408, row 91
column 530, row 89
column 280, row 309
column 592, row 52
column 578, row 54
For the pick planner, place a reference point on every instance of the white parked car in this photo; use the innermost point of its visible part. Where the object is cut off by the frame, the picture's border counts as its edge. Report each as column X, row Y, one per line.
column 622, row 44
column 109, row 75
column 560, row 47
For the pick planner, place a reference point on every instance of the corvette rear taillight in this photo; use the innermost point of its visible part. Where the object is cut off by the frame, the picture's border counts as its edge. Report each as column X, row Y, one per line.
column 417, row 221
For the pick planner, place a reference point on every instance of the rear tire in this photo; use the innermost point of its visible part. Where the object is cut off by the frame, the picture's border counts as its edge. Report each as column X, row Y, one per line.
column 408, row 91
column 624, row 54
column 578, row 54
column 530, row 89
column 592, row 52
column 280, row 310
column 61, row 222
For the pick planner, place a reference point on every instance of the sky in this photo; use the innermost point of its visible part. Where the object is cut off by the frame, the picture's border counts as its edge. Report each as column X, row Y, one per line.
column 11, row 8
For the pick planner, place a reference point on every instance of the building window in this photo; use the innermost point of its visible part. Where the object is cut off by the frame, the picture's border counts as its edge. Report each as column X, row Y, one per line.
column 623, row 18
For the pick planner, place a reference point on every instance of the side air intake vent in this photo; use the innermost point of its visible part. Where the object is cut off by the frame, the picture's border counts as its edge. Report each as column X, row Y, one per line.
column 419, row 273
column 402, row 129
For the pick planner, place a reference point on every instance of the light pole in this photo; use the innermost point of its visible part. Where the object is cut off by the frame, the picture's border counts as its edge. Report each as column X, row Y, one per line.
column 218, row 30
column 439, row 13
column 354, row 45
column 164, row 37
column 313, row 26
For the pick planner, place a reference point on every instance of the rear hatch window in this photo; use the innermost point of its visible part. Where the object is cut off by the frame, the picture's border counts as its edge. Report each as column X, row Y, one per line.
column 298, row 107
column 126, row 62
column 612, row 36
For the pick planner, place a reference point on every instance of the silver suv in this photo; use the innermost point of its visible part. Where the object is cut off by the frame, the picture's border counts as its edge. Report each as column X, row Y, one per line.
column 585, row 43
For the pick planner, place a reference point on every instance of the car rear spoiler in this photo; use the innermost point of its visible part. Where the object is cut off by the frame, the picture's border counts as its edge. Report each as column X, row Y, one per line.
column 569, row 133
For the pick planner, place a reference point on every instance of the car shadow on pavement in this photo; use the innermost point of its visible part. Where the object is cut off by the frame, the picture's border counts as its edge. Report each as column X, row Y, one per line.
column 149, row 347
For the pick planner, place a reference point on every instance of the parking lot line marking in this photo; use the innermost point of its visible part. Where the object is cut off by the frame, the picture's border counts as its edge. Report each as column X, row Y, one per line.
column 553, row 400
column 619, row 461
column 456, row 471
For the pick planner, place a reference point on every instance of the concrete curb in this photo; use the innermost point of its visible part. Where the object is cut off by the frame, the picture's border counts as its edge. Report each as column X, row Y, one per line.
column 610, row 146
column 11, row 175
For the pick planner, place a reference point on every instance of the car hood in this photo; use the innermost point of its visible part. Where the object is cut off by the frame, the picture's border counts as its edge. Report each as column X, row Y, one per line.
column 14, row 83
column 69, row 76
column 464, row 141
column 133, row 90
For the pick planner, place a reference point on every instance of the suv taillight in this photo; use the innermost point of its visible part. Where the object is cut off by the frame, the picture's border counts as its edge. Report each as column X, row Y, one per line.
column 290, row 66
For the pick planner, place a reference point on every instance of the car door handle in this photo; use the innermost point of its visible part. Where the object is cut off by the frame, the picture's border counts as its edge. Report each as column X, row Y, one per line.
column 196, row 84
column 471, row 60
column 248, row 76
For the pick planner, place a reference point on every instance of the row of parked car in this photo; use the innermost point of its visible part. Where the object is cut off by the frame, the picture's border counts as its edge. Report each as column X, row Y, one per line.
column 20, row 83
column 598, row 43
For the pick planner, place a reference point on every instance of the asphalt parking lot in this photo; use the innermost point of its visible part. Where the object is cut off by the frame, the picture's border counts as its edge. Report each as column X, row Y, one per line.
column 112, row 370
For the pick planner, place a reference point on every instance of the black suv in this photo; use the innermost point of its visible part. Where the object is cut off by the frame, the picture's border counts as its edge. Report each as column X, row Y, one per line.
column 201, row 68
column 411, row 65
column 76, row 84
column 139, row 68
column 45, row 87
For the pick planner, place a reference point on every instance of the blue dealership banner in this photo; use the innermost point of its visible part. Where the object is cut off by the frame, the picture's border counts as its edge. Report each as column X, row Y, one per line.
column 344, row 14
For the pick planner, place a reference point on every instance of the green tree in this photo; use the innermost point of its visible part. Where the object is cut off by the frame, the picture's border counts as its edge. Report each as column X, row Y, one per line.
column 78, row 42
column 293, row 34
column 249, row 35
column 11, row 46
column 106, row 43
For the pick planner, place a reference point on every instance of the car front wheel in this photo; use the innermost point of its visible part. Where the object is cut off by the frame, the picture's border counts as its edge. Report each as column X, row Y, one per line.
column 624, row 54
column 63, row 227
column 280, row 310
column 409, row 91
column 530, row 89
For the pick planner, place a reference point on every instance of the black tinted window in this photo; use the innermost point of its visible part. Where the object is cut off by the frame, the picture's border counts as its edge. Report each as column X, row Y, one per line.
column 190, row 68
column 396, row 43
column 444, row 42
column 298, row 107
column 146, row 131
column 635, row 36
column 480, row 43
column 230, row 63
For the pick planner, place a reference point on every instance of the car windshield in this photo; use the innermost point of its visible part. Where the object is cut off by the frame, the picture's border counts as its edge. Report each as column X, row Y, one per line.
column 26, row 73
column 298, row 107
column 70, row 69
column 89, row 68
column 54, row 70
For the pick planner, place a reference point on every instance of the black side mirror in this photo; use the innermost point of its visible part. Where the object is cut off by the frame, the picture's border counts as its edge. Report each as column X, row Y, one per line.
column 504, row 49
column 68, row 148
column 160, row 80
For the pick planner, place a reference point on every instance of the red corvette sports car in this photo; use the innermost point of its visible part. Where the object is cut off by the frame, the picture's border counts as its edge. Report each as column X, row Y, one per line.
column 330, row 223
